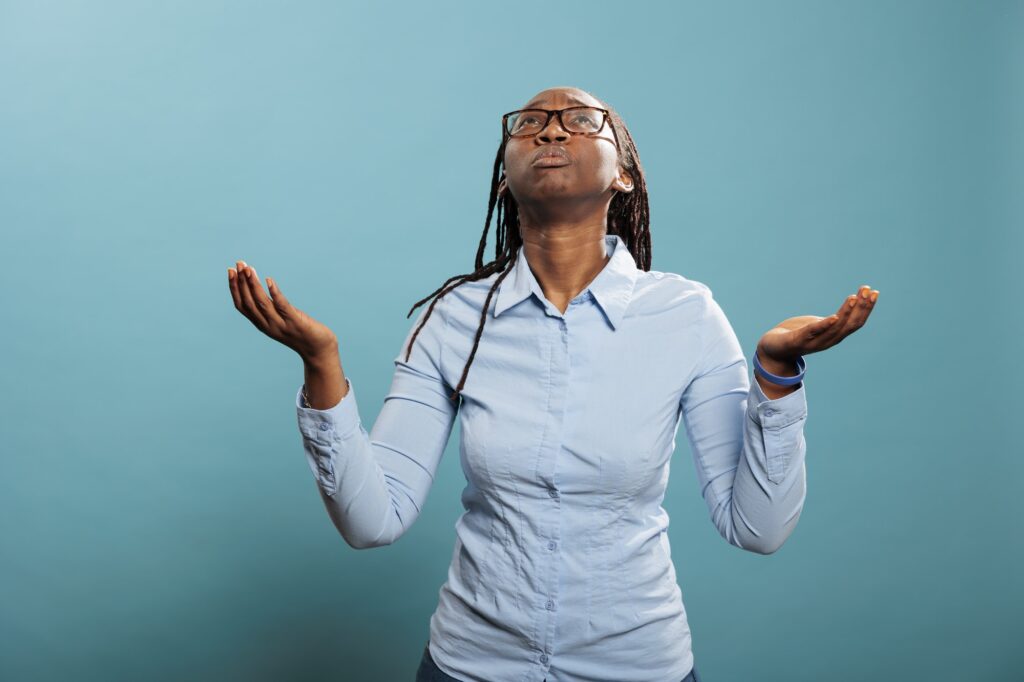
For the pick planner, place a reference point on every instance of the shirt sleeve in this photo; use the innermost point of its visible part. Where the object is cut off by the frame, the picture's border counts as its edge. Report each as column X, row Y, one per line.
column 748, row 450
column 374, row 484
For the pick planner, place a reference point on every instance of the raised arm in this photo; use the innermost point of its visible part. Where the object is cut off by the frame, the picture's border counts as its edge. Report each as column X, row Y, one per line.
column 374, row 484
column 748, row 450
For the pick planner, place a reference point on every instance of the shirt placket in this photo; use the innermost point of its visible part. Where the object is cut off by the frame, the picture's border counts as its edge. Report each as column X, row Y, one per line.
column 547, row 604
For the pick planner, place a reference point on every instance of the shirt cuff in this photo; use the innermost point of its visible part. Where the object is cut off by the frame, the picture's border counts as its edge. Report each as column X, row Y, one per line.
column 777, row 413
column 336, row 422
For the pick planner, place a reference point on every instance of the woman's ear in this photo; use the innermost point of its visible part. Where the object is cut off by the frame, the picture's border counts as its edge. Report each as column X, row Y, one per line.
column 623, row 183
column 502, row 187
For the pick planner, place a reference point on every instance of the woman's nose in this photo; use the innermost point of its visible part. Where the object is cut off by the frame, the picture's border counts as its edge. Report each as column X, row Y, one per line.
column 553, row 131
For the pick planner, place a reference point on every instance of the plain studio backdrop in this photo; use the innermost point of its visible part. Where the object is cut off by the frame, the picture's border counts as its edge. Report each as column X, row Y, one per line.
column 158, row 517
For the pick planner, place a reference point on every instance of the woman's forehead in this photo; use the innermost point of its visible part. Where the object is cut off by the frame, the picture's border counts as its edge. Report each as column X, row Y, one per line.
column 562, row 97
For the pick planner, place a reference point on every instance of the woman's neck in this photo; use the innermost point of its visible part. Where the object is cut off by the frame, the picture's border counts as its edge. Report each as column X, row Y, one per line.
column 565, row 257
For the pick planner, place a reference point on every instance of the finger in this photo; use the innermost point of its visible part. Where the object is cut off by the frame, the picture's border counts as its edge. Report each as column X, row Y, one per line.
column 859, row 312
column 821, row 334
column 236, row 297
column 236, row 282
column 281, row 304
column 823, row 326
column 843, row 314
column 837, row 330
column 263, row 302
column 866, row 304
column 248, row 300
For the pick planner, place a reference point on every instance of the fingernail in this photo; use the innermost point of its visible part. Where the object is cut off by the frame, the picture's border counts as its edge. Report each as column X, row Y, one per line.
column 874, row 297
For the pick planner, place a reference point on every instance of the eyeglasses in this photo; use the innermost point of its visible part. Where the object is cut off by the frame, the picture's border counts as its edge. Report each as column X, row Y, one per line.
column 580, row 120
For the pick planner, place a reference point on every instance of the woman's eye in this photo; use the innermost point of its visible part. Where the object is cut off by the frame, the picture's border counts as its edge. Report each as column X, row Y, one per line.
column 525, row 122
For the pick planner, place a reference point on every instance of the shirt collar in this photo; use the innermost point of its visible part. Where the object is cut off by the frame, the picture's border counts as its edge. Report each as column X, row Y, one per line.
column 612, row 288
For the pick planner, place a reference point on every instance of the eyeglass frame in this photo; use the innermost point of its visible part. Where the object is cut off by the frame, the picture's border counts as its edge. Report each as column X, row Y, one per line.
column 549, row 112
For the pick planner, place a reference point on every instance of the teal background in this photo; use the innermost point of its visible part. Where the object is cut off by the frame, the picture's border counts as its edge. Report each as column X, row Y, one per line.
column 158, row 517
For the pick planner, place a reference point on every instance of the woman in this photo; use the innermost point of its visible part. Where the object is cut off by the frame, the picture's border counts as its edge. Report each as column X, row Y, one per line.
column 583, row 361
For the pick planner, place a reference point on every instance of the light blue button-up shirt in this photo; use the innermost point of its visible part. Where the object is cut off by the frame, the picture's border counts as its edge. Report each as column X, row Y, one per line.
column 561, row 568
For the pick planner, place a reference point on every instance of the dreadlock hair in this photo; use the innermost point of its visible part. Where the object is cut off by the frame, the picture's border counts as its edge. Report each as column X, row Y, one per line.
column 628, row 217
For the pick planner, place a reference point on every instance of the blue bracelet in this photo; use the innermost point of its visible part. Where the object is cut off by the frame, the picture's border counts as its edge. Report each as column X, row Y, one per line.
column 781, row 381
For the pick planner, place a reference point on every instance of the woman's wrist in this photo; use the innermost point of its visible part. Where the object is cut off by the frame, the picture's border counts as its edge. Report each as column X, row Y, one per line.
column 779, row 368
column 322, row 359
column 782, row 368
column 325, row 384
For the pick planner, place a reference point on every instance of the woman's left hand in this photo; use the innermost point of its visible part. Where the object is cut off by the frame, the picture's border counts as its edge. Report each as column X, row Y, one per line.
column 806, row 334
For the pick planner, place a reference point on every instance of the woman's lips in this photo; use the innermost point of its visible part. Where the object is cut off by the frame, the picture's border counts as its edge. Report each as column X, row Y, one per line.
column 551, row 158
column 549, row 161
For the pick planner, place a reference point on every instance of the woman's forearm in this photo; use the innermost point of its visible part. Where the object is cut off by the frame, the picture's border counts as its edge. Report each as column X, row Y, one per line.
column 325, row 380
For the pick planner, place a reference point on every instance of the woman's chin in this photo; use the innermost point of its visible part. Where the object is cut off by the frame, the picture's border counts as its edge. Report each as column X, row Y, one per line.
column 551, row 187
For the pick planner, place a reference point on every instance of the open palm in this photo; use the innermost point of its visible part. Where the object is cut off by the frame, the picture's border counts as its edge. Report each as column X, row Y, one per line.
column 805, row 334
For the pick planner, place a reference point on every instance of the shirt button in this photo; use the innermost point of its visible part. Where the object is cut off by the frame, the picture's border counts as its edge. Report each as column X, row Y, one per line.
column 550, row 606
column 553, row 493
column 324, row 426
column 543, row 658
column 769, row 412
column 552, row 544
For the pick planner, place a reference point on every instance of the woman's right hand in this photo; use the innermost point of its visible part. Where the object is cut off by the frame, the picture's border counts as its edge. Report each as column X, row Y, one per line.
column 276, row 317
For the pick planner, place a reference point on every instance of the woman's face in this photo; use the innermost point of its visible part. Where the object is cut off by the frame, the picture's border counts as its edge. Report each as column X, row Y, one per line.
column 589, row 169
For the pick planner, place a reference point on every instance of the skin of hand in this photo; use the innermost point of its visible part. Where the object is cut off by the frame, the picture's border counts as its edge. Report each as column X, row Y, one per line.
column 797, row 336
column 276, row 317
column 325, row 383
